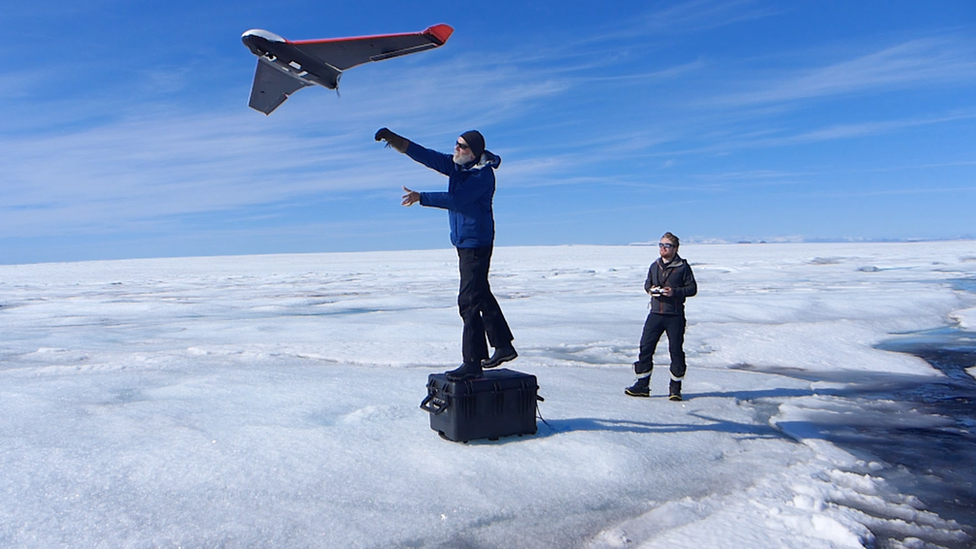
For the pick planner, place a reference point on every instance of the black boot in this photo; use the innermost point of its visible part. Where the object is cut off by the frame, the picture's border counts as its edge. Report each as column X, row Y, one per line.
column 674, row 390
column 468, row 370
column 640, row 389
column 502, row 354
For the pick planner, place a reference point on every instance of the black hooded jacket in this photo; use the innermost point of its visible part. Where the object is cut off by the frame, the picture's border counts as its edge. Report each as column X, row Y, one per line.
column 676, row 274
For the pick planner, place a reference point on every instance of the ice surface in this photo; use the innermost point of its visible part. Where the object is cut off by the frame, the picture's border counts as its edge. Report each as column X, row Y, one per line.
column 966, row 319
column 272, row 401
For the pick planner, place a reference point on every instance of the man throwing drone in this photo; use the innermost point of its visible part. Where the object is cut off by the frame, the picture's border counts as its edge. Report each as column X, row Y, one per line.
column 468, row 200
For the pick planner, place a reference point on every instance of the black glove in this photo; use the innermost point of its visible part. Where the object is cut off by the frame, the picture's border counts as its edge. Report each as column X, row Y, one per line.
column 392, row 139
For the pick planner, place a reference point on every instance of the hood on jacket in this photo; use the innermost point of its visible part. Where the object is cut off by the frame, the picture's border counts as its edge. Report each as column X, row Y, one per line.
column 488, row 159
column 676, row 262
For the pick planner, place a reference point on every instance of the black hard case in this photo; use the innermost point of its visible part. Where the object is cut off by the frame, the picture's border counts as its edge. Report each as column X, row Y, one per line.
column 499, row 404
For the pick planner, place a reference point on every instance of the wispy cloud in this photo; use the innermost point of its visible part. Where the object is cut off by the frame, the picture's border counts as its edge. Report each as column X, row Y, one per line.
column 663, row 74
column 20, row 84
column 676, row 18
column 828, row 133
column 704, row 15
column 919, row 190
column 921, row 62
column 149, row 163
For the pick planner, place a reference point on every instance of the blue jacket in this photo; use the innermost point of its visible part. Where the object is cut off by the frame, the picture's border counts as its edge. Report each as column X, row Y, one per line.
column 470, row 190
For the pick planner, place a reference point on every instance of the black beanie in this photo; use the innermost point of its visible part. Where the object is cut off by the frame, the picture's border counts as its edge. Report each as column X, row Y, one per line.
column 476, row 141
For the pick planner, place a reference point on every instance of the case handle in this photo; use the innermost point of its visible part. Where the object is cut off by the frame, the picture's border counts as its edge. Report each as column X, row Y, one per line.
column 434, row 405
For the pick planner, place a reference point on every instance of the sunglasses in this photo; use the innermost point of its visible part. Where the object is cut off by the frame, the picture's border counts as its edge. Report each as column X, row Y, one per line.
column 665, row 245
column 461, row 146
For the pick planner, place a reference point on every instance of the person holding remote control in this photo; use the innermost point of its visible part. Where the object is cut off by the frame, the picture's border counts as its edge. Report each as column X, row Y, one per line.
column 669, row 281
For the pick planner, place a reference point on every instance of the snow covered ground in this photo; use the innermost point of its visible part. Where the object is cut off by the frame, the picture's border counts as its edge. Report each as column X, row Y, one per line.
column 272, row 401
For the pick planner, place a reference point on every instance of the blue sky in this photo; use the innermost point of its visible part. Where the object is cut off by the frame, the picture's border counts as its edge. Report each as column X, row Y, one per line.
column 125, row 132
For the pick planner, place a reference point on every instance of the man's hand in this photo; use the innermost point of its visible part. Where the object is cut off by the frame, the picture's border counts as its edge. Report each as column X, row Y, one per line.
column 668, row 291
column 411, row 198
column 392, row 139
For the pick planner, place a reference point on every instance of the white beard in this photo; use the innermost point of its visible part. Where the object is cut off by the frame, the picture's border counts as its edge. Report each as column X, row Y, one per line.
column 463, row 157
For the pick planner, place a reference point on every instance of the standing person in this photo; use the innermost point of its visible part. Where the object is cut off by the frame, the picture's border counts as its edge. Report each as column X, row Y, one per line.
column 669, row 282
column 470, row 189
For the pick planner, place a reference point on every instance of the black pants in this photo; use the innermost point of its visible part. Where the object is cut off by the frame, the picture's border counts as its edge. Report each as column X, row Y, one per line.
column 478, row 307
column 654, row 327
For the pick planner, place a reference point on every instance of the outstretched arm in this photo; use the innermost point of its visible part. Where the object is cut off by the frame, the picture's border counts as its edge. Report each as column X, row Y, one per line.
column 392, row 139
column 440, row 162
column 411, row 198
column 464, row 196
column 437, row 161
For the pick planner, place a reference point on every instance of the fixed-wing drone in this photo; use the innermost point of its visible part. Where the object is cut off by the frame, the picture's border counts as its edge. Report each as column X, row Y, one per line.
column 286, row 66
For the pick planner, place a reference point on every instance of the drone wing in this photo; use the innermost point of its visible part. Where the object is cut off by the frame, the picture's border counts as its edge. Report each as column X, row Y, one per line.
column 272, row 86
column 345, row 53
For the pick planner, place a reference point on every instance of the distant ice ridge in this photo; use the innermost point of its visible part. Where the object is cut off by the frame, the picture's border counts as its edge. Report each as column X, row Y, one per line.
column 272, row 400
